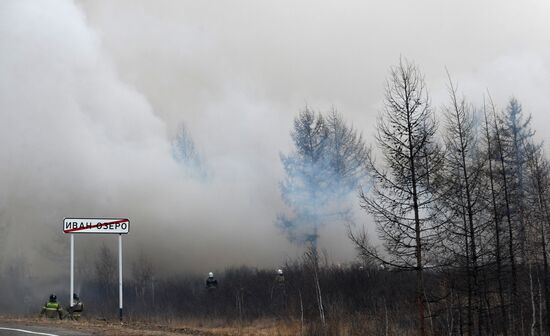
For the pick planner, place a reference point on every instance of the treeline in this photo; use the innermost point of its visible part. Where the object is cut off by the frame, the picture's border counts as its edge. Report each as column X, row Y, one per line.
column 355, row 298
column 463, row 195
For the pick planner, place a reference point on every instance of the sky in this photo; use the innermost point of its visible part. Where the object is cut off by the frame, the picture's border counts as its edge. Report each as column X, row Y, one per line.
column 93, row 92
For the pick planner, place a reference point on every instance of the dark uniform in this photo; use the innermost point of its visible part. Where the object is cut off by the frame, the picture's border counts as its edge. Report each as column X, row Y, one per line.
column 75, row 311
column 211, row 295
column 280, row 279
column 211, row 283
column 278, row 294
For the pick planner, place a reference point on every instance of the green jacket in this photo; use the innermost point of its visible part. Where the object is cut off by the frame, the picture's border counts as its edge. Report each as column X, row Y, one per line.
column 52, row 306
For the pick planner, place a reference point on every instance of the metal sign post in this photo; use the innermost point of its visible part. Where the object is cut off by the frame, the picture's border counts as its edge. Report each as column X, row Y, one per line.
column 118, row 226
column 120, row 276
column 72, row 271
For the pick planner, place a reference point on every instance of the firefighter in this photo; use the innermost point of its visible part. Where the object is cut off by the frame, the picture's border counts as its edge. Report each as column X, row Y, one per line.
column 280, row 278
column 75, row 311
column 211, row 295
column 278, row 284
column 52, row 308
column 211, row 283
column 278, row 293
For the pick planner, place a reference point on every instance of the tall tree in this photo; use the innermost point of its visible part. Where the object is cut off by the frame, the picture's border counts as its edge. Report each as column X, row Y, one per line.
column 516, row 133
column 400, row 198
column 462, row 175
column 512, row 132
column 497, row 218
column 322, row 171
column 537, row 187
column 305, row 186
column 504, row 181
column 326, row 166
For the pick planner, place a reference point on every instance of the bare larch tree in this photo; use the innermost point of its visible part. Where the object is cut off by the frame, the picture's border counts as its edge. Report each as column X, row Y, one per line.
column 465, row 192
column 496, row 214
column 400, row 198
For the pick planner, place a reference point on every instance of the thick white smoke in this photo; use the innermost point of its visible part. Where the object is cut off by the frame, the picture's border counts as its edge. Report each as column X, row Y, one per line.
column 79, row 141
column 92, row 92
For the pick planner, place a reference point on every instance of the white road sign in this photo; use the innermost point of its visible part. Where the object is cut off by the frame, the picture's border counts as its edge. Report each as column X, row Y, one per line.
column 96, row 225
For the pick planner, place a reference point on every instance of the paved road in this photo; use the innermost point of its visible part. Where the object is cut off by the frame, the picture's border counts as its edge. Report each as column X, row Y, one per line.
column 20, row 330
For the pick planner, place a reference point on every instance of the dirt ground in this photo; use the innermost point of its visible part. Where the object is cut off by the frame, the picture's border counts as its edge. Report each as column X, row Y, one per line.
column 172, row 328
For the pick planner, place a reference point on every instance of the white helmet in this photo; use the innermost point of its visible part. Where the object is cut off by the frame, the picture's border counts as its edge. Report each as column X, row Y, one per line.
column 280, row 271
column 210, row 275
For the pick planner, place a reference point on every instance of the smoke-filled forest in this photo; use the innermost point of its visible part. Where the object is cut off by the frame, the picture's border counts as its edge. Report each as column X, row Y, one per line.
column 460, row 202
column 283, row 168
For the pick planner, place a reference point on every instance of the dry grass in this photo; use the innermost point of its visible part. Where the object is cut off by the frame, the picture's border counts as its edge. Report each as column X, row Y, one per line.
column 264, row 327
column 358, row 325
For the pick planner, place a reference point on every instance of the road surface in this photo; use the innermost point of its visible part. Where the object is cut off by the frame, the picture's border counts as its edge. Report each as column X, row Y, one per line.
column 23, row 330
column 44, row 327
